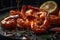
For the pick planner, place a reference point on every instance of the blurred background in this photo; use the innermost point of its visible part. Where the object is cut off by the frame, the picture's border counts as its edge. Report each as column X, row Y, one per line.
column 10, row 3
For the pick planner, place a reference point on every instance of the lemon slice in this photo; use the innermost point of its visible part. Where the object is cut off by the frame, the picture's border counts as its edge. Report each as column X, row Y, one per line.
column 49, row 6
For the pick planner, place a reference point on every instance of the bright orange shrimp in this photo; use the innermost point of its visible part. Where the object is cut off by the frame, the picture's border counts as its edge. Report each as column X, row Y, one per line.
column 14, row 12
column 40, row 28
column 55, row 19
column 8, row 23
column 25, row 23
column 40, row 13
column 22, row 13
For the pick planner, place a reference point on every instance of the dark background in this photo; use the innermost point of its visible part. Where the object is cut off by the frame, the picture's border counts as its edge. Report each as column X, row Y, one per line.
column 10, row 3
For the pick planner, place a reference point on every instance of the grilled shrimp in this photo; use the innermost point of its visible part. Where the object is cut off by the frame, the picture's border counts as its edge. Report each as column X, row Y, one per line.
column 8, row 23
column 40, row 28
